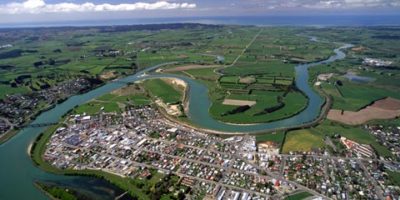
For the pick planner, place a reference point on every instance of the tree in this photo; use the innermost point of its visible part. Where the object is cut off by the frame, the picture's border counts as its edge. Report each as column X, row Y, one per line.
column 52, row 61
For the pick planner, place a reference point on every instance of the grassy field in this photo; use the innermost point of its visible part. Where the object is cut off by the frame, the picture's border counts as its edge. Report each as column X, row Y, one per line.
column 203, row 73
column 229, row 79
column 161, row 89
column 8, row 90
column 277, row 137
column 393, row 122
column 116, row 101
column 298, row 196
column 394, row 177
column 302, row 140
column 294, row 103
column 94, row 107
column 274, row 67
column 353, row 97
column 354, row 133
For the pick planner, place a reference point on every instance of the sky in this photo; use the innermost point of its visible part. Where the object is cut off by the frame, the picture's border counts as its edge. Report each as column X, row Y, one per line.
column 23, row 11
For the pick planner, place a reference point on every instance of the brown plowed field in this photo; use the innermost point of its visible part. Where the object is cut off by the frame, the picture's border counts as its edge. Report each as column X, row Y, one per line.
column 387, row 108
column 387, row 104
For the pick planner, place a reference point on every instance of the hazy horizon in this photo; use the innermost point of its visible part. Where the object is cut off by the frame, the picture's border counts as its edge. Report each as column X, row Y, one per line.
column 271, row 20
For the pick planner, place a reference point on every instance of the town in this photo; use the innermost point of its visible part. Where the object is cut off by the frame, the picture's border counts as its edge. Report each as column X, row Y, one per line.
column 140, row 140
column 387, row 136
column 17, row 109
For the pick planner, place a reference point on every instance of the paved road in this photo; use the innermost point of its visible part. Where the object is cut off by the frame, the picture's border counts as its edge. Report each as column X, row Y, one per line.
column 7, row 122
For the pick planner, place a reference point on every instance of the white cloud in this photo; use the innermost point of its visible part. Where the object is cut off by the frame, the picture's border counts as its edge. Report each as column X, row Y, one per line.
column 327, row 4
column 348, row 4
column 40, row 6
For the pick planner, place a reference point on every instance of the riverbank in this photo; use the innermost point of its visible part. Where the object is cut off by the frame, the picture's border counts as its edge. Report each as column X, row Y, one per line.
column 8, row 135
column 50, row 196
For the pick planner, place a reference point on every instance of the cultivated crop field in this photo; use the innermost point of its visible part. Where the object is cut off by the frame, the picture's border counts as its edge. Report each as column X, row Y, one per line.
column 387, row 108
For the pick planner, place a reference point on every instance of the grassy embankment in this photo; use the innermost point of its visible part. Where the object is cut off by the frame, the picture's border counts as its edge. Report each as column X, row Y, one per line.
column 8, row 135
column 55, row 192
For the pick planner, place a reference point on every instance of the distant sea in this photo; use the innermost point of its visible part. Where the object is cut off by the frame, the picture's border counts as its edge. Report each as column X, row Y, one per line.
column 322, row 21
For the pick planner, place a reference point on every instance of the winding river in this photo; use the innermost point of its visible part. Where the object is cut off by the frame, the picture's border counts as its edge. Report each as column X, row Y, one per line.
column 17, row 171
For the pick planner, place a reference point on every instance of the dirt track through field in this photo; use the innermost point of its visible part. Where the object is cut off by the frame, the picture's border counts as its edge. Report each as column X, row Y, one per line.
column 387, row 108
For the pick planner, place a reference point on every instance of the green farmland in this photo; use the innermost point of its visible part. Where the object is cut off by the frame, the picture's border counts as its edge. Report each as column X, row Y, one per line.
column 116, row 101
column 263, row 74
column 160, row 89
column 353, row 97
